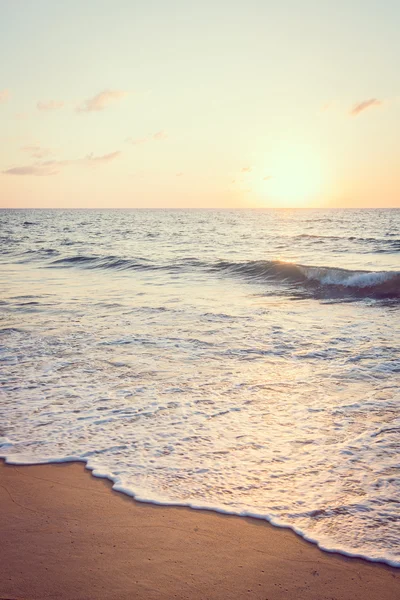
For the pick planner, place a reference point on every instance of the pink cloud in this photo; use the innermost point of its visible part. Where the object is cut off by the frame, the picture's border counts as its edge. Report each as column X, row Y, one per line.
column 50, row 105
column 365, row 105
column 101, row 101
column 246, row 169
column 52, row 167
column 37, row 170
column 105, row 158
column 160, row 135
column 5, row 95
column 327, row 106
column 88, row 161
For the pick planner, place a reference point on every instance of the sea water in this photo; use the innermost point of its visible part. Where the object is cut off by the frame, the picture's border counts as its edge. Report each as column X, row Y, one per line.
column 242, row 361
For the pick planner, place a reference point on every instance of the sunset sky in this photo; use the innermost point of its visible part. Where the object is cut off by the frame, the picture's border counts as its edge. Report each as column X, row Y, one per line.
column 210, row 104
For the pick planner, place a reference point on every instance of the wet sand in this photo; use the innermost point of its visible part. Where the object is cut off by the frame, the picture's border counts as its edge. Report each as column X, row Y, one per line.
column 65, row 534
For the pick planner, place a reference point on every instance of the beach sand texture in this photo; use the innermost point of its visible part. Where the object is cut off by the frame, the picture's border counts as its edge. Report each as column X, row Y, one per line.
column 65, row 534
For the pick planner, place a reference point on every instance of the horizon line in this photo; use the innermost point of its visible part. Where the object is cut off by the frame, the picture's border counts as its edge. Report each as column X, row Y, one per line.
column 205, row 208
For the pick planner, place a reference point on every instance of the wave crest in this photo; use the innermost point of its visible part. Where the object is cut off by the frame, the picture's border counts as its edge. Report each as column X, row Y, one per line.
column 375, row 284
column 312, row 281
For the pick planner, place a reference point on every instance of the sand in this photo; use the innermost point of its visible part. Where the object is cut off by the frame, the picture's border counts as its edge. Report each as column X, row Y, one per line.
column 65, row 534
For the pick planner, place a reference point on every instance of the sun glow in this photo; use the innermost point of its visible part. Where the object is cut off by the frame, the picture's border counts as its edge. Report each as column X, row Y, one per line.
column 295, row 177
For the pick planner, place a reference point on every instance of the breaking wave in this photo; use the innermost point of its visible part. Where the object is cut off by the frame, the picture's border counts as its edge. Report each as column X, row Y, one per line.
column 298, row 279
column 375, row 284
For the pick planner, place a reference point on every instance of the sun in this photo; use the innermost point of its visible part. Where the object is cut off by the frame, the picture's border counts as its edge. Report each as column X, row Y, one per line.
column 295, row 178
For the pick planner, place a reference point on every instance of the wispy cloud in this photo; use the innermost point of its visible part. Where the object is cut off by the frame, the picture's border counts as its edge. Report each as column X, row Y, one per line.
column 50, row 105
column 267, row 177
column 180, row 174
column 5, row 95
column 105, row 158
column 365, row 105
column 53, row 167
column 159, row 136
column 37, row 151
column 37, row 170
column 246, row 169
column 100, row 101
column 327, row 106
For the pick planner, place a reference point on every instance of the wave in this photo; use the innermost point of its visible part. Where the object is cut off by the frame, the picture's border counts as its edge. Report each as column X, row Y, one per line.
column 320, row 281
column 379, row 245
column 375, row 284
column 124, row 264
column 102, row 262
column 296, row 279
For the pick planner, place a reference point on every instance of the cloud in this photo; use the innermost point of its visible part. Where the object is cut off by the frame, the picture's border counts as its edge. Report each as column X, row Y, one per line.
column 180, row 174
column 365, row 105
column 100, row 101
column 88, row 161
column 160, row 135
column 327, row 106
column 246, row 169
column 95, row 160
column 5, row 95
column 267, row 177
column 50, row 105
column 38, row 170
column 37, row 151
column 53, row 167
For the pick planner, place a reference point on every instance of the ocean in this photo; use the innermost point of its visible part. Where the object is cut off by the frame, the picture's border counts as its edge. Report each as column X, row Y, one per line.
column 246, row 362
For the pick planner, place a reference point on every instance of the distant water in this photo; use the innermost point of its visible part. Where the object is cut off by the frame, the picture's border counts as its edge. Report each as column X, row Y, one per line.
column 245, row 361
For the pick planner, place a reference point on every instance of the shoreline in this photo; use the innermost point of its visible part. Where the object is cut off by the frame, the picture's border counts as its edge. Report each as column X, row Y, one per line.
column 67, row 534
column 130, row 495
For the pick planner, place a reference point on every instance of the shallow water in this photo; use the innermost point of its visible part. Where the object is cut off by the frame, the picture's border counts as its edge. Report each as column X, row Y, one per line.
column 242, row 361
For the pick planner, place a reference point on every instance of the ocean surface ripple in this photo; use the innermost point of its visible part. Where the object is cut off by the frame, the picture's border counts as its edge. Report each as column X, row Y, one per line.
column 241, row 361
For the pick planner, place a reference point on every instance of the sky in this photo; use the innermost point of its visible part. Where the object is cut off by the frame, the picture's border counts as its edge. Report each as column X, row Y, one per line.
column 219, row 104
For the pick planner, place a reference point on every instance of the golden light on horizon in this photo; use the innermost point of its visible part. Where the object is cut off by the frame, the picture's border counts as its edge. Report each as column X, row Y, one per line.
column 296, row 178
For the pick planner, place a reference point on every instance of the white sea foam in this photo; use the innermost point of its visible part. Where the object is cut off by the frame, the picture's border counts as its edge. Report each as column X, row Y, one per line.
column 348, row 278
column 143, row 496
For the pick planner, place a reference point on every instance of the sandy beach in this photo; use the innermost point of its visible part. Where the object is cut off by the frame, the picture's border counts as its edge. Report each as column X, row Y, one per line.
column 66, row 534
